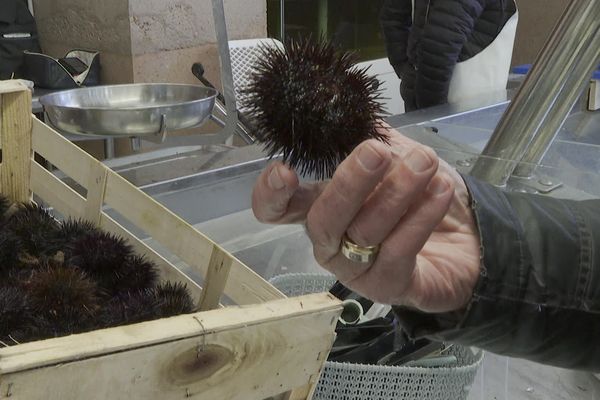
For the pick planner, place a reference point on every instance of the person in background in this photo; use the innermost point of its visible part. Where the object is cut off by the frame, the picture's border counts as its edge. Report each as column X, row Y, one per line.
column 17, row 34
column 461, row 261
column 448, row 50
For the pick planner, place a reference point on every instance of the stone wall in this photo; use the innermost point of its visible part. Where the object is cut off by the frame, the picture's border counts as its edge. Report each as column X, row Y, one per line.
column 101, row 25
column 168, row 37
column 146, row 40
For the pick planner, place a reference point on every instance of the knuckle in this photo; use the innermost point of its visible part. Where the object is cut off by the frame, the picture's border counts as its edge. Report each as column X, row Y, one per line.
column 320, row 256
column 318, row 233
column 341, row 184
column 357, row 234
column 257, row 207
column 429, row 152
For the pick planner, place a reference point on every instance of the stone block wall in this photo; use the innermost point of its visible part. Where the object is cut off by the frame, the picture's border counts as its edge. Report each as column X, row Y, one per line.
column 101, row 25
column 146, row 40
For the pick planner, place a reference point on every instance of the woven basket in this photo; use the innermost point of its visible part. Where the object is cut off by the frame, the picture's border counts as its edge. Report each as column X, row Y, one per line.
column 345, row 381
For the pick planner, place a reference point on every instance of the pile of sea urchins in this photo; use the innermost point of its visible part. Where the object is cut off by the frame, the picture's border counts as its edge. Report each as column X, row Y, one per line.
column 60, row 278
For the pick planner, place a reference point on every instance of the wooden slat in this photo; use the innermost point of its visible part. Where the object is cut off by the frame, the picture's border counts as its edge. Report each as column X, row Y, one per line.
column 245, row 353
column 168, row 272
column 15, row 131
column 96, row 186
column 594, row 96
column 218, row 272
column 244, row 286
column 13, row 86
column 56, row 193
column 107, row 341
column 52, row 146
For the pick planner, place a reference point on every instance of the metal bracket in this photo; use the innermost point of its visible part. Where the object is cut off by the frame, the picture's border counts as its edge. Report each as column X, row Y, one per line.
column 160, row 136
column 536, row 184
column 226, row 70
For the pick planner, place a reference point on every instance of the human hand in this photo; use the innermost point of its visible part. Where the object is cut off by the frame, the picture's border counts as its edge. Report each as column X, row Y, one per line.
column 402, row 197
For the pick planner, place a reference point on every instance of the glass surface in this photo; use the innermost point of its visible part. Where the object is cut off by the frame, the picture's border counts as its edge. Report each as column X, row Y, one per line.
column 351, row 24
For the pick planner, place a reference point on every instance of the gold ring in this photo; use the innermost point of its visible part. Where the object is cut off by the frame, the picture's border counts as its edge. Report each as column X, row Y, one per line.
column 356, row 253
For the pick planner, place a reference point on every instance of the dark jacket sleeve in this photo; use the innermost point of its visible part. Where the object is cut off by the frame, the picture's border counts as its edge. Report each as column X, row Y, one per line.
column 538, row 295
column 449, row 25
column 396, row 20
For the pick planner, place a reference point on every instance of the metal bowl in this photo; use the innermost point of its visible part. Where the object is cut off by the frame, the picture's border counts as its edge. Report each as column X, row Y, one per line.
column 129, row 110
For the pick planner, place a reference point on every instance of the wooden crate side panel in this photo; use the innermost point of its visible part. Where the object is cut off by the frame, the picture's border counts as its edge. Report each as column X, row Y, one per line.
column 249, row 364
column 235, row 353
column 68, row 202
column 56, row 193
column 107, row 341
column 96, row 186
column 15, row 125
column 216, row 277
column 63, row 154
column 244, row 286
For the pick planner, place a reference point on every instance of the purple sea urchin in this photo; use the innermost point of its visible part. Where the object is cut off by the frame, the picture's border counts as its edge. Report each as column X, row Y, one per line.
column 13, row 310
column 173, row 299
column 55, row 288
column 128, row 308
column 309, row 102
column 9, row 248
column 165, row 300
column 137, row 273
column 73, row 229
column 35, row 229
column 103, row 256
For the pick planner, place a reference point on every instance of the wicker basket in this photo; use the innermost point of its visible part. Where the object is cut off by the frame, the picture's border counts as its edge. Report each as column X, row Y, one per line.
column 359, row 381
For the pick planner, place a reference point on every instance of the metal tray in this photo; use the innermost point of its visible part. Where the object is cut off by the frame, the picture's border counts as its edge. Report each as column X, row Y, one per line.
column 129, row 110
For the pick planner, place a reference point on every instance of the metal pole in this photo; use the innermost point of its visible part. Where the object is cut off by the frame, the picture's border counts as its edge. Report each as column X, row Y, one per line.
column 226, row 71
column 323, row 19
column 282, row 20
column 548, row 93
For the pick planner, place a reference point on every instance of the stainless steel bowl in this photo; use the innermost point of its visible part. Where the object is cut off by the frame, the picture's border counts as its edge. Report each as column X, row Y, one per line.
column 129, row 110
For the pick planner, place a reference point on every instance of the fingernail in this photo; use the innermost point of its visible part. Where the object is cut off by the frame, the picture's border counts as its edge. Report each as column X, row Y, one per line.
column 418, row 161
column 438, row 186
column 275, row 181
column 369, row 158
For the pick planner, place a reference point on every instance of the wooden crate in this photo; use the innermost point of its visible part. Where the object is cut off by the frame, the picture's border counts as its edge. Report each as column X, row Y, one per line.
column 267, row 346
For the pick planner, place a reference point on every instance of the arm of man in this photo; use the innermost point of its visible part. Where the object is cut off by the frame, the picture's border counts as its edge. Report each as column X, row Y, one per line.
column 538, row 294
column 449, row 25
column 462, row 261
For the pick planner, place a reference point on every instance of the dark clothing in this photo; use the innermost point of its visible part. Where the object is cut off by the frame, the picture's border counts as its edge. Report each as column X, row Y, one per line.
column 425, row 50
column 538, row 295
column 17, row 33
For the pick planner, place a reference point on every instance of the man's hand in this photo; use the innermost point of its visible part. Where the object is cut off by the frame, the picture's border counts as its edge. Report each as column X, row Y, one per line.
column 401, row 197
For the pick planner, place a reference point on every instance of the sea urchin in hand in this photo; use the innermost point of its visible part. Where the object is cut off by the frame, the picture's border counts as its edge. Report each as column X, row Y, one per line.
column 309, row 102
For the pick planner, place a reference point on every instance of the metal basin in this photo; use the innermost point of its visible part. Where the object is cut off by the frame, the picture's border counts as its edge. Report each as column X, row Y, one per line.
column 129, row 110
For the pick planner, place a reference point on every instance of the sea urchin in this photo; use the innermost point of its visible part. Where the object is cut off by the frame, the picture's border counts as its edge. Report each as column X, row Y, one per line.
column 309, row 102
